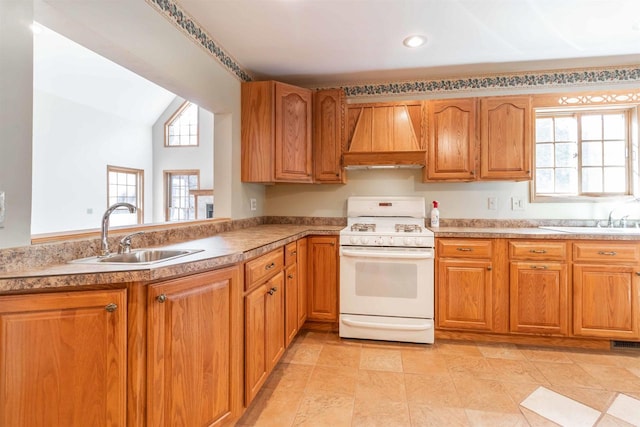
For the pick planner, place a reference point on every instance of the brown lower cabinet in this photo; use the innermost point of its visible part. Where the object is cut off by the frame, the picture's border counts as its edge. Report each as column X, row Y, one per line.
column 194, row 350
column 63, row 359
column 322, row 278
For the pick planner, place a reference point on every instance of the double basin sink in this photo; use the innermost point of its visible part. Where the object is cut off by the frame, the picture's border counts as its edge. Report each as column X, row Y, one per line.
column 606, row 231
column 139, row 256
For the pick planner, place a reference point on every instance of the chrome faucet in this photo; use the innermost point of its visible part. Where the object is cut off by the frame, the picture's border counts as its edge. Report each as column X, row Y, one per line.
column 124, row 247
column 623, row 220
column 104, row 245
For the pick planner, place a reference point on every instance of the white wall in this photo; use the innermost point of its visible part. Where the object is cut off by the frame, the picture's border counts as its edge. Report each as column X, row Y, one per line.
column 180, row 158
column 72, row 146
column 16, row 87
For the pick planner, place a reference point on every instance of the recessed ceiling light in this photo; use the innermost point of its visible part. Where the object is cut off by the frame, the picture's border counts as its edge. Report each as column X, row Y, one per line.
column 414, row 41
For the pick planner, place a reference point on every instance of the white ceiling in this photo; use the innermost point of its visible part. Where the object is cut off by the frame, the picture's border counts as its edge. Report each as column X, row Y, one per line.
column 353, row 41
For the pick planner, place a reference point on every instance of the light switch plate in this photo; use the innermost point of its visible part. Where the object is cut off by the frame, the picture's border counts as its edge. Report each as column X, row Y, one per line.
column 2, row 209
column 492, row 203
column 253, row 204
column 517, row 204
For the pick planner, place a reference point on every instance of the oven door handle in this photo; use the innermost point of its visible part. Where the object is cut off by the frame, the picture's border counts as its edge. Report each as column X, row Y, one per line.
column 395, row 327
column 387, row 254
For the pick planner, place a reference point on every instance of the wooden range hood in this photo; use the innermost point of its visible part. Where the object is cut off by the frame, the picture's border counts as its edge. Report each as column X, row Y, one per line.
column 389, row 134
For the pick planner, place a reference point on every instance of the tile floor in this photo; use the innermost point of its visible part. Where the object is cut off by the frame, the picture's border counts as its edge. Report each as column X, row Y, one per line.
column 325, row 381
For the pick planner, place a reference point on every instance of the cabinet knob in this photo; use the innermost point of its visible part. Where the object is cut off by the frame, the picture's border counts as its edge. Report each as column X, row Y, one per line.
column 111, row 307
column 161, row 298
column 290, row 276
column 333, row 243
column 272, row 290
column 294, row 253
column 269, row 266
column 489, row 268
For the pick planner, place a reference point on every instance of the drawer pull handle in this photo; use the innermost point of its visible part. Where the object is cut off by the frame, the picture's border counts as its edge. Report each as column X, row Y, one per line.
column 539, row 267
column 464, row 249
column 272, row 290
column 538, row 251
column 111, row 307
column 294, row 253
column 161, row 298
column 269, row 266
column 612, row 253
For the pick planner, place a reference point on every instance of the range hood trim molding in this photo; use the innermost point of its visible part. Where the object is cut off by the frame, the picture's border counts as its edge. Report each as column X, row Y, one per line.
column 385, row 159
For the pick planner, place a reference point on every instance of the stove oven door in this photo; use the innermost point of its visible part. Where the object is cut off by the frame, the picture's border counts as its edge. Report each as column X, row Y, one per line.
column 387, row 281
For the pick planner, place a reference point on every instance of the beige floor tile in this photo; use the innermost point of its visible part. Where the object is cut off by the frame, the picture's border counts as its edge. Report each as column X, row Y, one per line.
column 545, row 355
column 333, row 379
column 519, row 371
column 380, row 386
column 479, row 418
column 313, row 337
column 484, row 395
column 500, row 351
column 519, row 391
column 384, row 413
column 303, row 354
column 269, row 411
column 423, row 362
column 381, row 359
column 432, row 389
column 565, row 374
column 340, row 356
column 610, row 421
column 613, row 378
column 437, row 416
column 592, row 357
column 595, row 398
column 325, row 409
column 289, row 377
column 627, row 359
column 536, row 420
column 457, row 347
column 459, row 364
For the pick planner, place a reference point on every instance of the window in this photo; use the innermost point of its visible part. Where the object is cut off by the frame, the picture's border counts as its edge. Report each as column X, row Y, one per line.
column 125, row 185
column 179, row 200
column 182, row 128
column 582, row 153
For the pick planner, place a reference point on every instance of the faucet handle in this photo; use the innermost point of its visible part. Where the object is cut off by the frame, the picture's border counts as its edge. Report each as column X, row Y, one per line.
column 125, row 243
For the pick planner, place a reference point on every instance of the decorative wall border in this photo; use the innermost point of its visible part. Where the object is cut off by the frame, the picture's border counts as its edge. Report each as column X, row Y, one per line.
column 192, row 29
column 573, row 77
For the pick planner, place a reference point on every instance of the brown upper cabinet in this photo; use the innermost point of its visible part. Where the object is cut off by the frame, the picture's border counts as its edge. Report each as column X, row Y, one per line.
column 452, row 140
column 276, row 132
column 506, row 136
column 329, row 117
column 386, row 133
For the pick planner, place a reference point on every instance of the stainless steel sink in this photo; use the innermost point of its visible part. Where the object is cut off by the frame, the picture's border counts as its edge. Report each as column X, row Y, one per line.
column 596, row 230
column 140, row 256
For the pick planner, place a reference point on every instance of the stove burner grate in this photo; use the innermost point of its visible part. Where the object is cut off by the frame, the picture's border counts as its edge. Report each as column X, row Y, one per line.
column 408, row 228
column 363, row 227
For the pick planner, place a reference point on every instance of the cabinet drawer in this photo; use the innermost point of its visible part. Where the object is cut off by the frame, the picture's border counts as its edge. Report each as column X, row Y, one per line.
column 291, row 253
column 462, row 248
column 262, row 268
column 608, row 252
column 530, row 250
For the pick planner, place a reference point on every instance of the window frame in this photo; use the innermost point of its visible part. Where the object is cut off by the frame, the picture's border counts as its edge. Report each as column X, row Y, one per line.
column 166, row 175
column 173, row 118
column 628, row 100
column 139, row 173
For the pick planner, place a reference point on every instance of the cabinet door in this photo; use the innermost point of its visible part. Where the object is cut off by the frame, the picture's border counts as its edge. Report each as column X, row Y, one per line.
column 194, row 350
column 605, row 301
column 293, row 133
column 505, row 138
column 328, row 130
column 63, row 359
column 257, row 131
column 302, row 281
column 255, row 340
column 275, row 336
column 539, row 301
column 323, row 278
column 452, row 140
column 465, row 294
column 291, row 303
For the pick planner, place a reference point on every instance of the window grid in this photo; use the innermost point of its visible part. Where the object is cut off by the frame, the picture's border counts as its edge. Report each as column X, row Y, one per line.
column 582, row 153
column 182, row 128
column 125, row 185
column 180, row 204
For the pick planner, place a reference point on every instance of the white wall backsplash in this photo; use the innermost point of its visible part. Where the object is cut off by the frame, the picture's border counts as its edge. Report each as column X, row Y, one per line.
column 466, row 200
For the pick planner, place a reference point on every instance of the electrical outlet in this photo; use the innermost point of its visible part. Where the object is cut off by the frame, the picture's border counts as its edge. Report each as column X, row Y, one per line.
column 2, row 209
column 253, row 203
column 517, row 204
column 492, row 203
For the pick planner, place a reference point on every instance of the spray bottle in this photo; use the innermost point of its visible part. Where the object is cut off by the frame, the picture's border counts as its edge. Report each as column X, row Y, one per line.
column 435, row 215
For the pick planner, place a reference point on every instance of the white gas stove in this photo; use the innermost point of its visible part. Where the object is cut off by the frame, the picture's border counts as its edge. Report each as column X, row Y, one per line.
column 386, row 270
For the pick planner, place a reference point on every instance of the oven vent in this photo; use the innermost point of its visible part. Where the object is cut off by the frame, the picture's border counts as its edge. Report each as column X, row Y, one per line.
column 628, row 345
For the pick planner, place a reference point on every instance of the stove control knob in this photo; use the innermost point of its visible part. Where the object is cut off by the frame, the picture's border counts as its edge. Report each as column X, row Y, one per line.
column 364, row 240
column 390, row 241
column 353, row 240
column 419, row 241
column 410, row 241
column 380, row 241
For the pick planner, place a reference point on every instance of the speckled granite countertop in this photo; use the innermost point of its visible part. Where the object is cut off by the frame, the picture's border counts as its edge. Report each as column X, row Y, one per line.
column 525, row 232
column 218, row 251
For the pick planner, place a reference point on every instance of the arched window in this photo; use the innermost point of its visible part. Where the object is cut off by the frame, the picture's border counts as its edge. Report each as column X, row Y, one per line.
column 181, row 130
